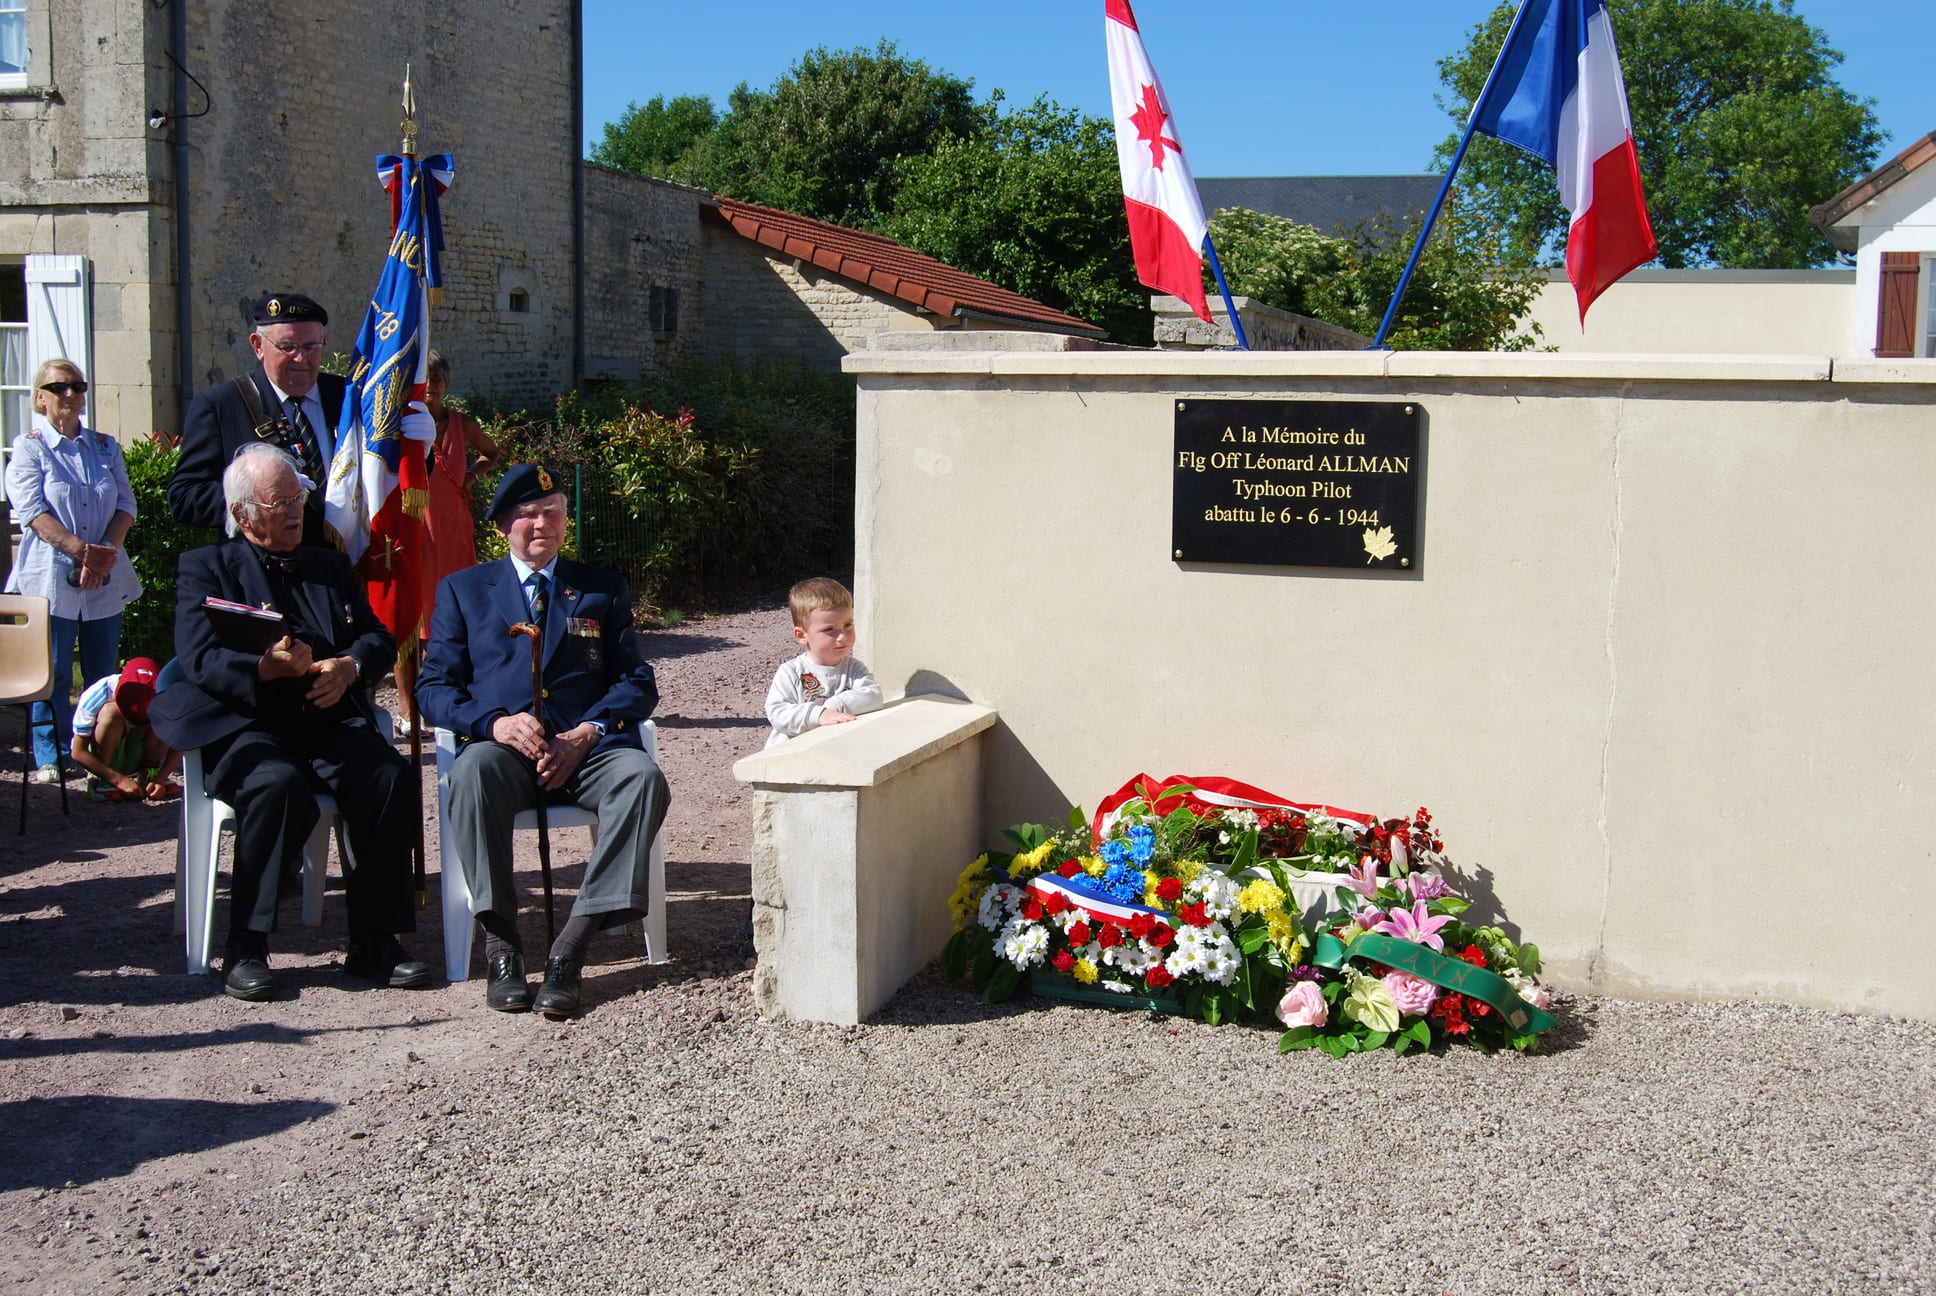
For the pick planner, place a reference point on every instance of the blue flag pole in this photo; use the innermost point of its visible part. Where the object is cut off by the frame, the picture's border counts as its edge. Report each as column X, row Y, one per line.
column 1445, row 188
column 1216, row 268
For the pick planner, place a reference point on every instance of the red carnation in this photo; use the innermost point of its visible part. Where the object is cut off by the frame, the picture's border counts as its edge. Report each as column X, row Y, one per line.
column 1473, row 955
column 1449, row 1012
column 1169, row 889
column 1032, row 909
column 1079, row 933
column 1055, row 903
column 1140, row 925
column 1158, row 976
column 1110, row 936
column 1160, row 935
column 1063, row 960
column 1069, row 868
column 1192, row 915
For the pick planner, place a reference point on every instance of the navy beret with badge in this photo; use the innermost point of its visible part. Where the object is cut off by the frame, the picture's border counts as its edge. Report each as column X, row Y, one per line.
column 521, row 484
column 287, row 308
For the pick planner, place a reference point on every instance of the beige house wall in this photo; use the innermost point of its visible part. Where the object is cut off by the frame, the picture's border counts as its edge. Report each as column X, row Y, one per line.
column 1661, row 674
column 640, row 234
column 1705, row 312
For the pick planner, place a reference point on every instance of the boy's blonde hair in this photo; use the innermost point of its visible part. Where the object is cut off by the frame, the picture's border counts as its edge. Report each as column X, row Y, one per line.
column 817, row 594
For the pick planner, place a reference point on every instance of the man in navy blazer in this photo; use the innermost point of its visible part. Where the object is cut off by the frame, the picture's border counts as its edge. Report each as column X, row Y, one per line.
column 577, row 743
column 274, row 726
column 300, row 407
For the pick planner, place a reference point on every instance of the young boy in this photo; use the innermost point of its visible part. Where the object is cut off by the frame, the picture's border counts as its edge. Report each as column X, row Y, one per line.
column 823, row 685
column 112, row 740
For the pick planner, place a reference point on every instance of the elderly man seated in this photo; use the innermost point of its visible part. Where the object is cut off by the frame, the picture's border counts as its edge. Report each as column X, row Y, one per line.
column 278, row 725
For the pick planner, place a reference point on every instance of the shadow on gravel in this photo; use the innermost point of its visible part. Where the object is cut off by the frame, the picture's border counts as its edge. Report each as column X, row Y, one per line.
column 55, row 1141
column 187, row 1041
column 676, row 721
column 660, row 646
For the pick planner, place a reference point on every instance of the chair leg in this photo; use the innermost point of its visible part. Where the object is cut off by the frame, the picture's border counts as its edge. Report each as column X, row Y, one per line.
column 316, row 870
column 457, row 912
column 655, row 917
column 201, row 900
column 26, row 764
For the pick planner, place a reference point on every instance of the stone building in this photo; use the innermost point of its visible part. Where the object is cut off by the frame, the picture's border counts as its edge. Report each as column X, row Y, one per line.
column 141, row 208
column 684, row 274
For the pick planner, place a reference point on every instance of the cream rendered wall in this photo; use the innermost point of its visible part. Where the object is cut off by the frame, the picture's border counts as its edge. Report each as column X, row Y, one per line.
column 1706, row 312
column 1662, row 673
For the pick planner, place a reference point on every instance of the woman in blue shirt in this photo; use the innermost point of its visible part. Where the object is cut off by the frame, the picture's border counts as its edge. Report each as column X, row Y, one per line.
column 69, row 485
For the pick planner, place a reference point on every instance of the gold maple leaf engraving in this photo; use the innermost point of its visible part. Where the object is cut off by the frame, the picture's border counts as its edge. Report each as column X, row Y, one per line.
column 1379, row 544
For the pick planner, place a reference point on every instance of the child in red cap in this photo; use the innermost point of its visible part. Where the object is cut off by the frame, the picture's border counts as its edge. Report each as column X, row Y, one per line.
column 112, row 739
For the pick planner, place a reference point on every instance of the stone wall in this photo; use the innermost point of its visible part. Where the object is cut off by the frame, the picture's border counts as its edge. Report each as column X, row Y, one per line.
column 760, row 306
column 642, row 243
column 1266, row 328
column 82, row 174
column 284, row 193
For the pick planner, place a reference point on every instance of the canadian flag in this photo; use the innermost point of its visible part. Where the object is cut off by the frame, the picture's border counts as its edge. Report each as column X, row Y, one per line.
column 1166, row 225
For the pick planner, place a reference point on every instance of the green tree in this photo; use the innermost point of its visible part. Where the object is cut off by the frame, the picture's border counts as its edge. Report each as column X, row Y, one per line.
column 823, row 140
column 652, row 138
column 1463, row 296
column 1031, row 200
column 1739, row 122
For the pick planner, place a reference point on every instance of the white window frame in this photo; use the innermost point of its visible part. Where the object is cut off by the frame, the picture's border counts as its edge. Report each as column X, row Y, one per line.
column 16, row 10
column 1926, row 306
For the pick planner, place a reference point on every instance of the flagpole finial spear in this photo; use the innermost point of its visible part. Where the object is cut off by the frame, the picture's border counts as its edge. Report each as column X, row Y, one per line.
column 409, row 123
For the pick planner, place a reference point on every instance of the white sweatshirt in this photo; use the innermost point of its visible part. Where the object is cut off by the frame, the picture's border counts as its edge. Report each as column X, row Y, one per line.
column 802, row 687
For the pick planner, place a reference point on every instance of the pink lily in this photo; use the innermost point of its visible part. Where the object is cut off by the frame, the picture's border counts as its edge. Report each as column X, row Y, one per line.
column 1364, row 877
column 1415, row 925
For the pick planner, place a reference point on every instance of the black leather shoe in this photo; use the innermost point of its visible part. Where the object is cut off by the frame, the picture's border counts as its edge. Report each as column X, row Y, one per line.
column 248, row 978
column 558, row 996
column 383, row 958
column 505, row 988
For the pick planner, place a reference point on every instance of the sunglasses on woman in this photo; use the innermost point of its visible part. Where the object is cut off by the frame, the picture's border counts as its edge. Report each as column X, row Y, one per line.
column 63, row 388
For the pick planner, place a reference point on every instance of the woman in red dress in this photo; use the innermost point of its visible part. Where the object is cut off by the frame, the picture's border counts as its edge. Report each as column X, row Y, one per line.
column 450, row 527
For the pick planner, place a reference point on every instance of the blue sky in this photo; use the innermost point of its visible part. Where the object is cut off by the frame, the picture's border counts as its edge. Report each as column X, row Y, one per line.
column 1291, row 87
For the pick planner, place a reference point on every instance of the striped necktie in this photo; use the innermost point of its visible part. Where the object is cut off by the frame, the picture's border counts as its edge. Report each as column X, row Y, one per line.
column 537, row 583
column 305, row 447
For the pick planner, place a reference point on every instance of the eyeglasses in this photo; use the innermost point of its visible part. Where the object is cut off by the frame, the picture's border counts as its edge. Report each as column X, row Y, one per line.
column 63, row 388
column 296, row 348
column 282, row 505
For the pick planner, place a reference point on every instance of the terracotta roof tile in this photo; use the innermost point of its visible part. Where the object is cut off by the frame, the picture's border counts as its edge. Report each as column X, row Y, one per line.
column 1870, row 186
column 889, row 267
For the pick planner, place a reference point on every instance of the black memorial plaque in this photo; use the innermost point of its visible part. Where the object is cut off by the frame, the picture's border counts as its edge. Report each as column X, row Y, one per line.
column 1297, row 483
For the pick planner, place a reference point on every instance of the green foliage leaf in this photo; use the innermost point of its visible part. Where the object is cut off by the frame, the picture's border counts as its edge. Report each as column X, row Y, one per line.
column 1297, row 1039
column 1246, row 855
column 1738, row 120
column 1529, row 959
column 1003, row 984
column 1077, row 820
column 1449, row 905
column 960, row 948
column 1375, row 1040
column 1028, row 836
column 153, row 545
column 1214, row 1005
column 653, row 139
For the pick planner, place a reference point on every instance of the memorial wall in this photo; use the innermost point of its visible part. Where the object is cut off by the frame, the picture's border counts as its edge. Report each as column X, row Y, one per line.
column 1648, row 635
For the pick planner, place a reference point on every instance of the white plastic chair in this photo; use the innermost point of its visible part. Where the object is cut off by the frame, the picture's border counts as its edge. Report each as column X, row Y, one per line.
column 27, row 677
column 456, row 891
column 199, row 852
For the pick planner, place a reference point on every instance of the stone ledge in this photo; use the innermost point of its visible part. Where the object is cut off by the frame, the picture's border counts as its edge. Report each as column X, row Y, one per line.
column 871, row 750
column 1885, row 371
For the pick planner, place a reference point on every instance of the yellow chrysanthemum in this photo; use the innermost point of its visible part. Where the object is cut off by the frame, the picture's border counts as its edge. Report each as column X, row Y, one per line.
column 1093, row 865
column 1187, row 870
column 965, row 903
column 1262, row 896
column 1286, row 935
column 1027, row 865
column 1151, row 900
column 1085, row 971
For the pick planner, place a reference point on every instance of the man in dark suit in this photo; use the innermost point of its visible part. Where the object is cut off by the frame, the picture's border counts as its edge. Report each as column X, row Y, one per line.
column 582, row 746
column 274, row 726
column 296, row 406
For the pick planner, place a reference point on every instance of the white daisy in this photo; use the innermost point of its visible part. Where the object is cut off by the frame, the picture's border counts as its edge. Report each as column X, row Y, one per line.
column 1024, row 943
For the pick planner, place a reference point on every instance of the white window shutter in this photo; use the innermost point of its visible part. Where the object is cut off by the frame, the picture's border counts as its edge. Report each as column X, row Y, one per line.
column 58, row 319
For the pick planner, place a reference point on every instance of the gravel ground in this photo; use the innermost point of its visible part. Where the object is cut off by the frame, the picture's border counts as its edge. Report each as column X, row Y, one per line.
column 160, row 1137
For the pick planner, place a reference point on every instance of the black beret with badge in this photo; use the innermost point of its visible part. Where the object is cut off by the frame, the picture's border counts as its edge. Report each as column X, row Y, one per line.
column 521, row 484
column 287, row 308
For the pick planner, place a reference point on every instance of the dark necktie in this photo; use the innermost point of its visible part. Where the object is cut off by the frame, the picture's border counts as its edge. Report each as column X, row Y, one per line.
column 305, row 447
column 538, row 601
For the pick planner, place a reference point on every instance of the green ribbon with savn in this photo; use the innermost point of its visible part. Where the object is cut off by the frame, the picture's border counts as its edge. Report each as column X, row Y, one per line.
column 1483, row 984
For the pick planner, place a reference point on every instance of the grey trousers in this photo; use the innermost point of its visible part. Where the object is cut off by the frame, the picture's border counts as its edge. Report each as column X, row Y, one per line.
column 490, row 784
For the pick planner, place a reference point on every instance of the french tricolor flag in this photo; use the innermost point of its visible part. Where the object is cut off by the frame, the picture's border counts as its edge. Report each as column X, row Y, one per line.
column 1557, row 92
column 1166, row 225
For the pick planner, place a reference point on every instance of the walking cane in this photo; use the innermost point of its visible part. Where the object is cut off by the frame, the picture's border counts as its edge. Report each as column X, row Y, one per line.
column 536, row 635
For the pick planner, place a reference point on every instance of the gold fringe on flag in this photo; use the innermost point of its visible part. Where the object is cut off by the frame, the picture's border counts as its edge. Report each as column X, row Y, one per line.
column 415, row 501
